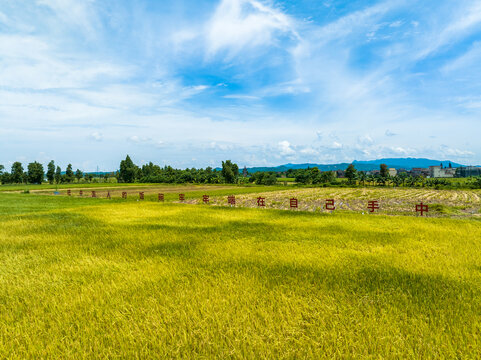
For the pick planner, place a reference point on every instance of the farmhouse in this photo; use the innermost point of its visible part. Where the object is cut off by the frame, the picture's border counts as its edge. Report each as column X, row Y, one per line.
column 440, row 172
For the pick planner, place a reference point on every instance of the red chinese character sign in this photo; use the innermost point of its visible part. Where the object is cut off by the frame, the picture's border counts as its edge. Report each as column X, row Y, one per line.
column 261, row 201
column 205, row 199
column 181, row 197
column 161, row 197
column 141, row 195
column 124, row 194
column 330, row 205
column 231, row 200
column 293, row 203
column 422, row 208
column 373, row 205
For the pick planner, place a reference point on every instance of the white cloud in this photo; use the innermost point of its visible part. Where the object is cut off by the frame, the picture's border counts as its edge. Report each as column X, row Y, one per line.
column 143, row 140
column 352, row 22
column 466, row 20
column 449, row 151
column 259, row 74
column 30, row 62
column 97, row 136
column 241, row 97
column 286, row 148
column 365, row 140
column 74, row 12
column 336, row 145
column 238, row 24
column 468, row 59
column 309, row 151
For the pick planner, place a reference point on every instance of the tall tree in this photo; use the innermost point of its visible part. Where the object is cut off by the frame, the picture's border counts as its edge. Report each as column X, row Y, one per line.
column 51, row 172
column 17, row 173
column 69, row 175
column 384, row 171
column 362, row 177
column 4, row 176
column 383, row 174
column 58, row 175
column 35, row 173
column 230, row 172
column 128, row 170
column 79, row 175
column 351, row 173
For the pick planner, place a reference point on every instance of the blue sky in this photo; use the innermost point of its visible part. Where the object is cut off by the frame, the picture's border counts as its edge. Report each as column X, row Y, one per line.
column 262, row 82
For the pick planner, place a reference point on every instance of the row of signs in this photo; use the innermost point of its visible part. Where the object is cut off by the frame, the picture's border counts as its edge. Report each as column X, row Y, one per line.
column 372, row 205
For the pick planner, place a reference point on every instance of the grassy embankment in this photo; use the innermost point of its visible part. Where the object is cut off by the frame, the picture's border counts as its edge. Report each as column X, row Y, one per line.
column 84, row 278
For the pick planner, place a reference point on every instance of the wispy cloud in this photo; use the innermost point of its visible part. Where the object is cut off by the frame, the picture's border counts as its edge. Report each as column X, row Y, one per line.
column 264, row 81
column 237, row 24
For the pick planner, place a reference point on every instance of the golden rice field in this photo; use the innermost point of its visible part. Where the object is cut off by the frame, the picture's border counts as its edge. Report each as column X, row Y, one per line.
column 392, row 201
column 94, row 278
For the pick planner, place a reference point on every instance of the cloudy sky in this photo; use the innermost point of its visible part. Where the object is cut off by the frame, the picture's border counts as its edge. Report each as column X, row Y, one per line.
column 262, row 82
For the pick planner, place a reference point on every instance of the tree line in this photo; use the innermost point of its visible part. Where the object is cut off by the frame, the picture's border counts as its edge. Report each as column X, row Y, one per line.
column 382, row 178
column 228, row 174
column 151, row 173
column 35, row 174
column 128, row 173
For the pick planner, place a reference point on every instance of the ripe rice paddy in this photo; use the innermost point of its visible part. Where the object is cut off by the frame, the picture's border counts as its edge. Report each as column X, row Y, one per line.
column 97, row 278
column 392, row 201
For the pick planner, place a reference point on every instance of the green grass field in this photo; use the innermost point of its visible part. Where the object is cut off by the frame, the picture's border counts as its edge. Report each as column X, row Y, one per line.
column 93, row 278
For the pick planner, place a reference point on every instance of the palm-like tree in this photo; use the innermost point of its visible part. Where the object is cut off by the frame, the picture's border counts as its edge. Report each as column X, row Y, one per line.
column 371, row 179
column 380, row 180
column 362, row 177
column 397, row 180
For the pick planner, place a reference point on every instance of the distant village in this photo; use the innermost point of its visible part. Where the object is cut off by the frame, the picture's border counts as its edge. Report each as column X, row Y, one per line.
column 439, row 171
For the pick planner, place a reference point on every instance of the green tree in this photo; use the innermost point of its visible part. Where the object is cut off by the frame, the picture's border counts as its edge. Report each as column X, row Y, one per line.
column 128, row 170
column 79, row 175
column 51, row 172
column 69, row 175
column 17, row 173
column 397, row 180
column 371, row 179
column 4, row 176
column 303, row 176
column 270, row 179
column 403, row 176
column 380, row 180
column 58, row 175
column 384, row 172
column 477, row 182
column 230, row 172
column 35, row 173
column 362, row 177
column 327, row 177
column 351, row 174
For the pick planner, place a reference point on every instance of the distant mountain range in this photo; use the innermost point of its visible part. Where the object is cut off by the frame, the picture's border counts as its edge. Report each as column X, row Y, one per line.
column 397, row 163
